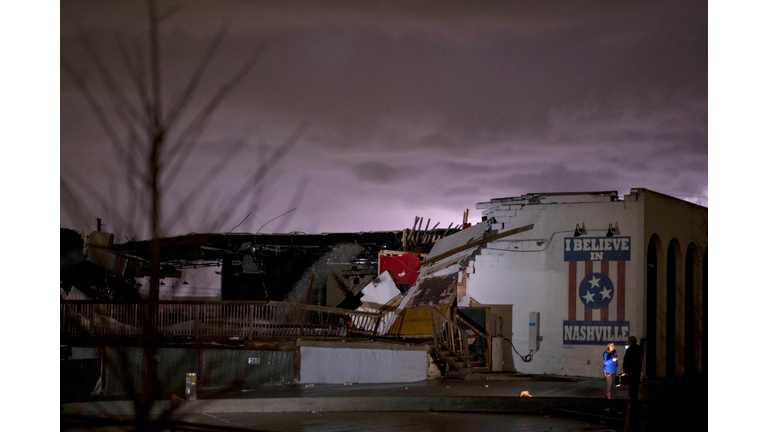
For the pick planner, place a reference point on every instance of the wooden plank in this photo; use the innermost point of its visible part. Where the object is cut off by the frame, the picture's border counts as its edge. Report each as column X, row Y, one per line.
column 478, row 243
column 413, row 230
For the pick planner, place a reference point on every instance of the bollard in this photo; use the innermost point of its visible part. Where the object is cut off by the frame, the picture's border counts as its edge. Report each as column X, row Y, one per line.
column 192, row 386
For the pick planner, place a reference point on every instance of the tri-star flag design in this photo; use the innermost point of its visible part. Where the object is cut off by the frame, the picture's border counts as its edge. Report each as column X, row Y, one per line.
column 596, row 297
column 596, row 291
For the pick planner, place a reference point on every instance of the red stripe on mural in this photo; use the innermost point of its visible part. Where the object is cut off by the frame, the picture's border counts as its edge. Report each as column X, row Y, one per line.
column 620, row 290
column 572, row 289
column 587, row 309
column 604, row 312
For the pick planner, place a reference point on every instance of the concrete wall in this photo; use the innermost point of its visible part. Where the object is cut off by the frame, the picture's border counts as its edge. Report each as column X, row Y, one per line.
column 249, row 369
column 337, row 363
column 217, row 369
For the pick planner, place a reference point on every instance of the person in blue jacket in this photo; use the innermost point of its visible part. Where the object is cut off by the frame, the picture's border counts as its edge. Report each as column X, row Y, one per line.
column 610, row 364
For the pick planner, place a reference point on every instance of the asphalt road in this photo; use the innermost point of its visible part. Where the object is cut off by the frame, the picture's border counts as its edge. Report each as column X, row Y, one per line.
column 402, row 421
column 372, row 421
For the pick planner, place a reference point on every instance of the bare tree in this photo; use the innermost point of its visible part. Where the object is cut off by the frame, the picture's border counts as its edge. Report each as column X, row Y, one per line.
column 150, row 141
column 153, row 144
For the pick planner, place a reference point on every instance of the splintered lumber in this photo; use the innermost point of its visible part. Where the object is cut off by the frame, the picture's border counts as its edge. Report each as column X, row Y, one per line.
column 413, row 230
column 480, row 242
column 433, row 236
column 310, row 290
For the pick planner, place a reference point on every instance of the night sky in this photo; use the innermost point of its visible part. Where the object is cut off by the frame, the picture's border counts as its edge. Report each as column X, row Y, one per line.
column 413, row 110
column 402, row 109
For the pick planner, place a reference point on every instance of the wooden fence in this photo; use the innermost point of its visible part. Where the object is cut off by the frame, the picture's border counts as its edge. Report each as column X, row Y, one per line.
column 206, row 320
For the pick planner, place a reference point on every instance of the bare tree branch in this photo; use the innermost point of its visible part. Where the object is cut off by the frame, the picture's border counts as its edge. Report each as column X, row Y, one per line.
column 139, row 131
column 122, row 105
column 79, row 209
column 135, row 173
column 194, row 80
column 122, row 148
column 136, row 72
column 168, row 13
column 187, row 140
column 204, row 182
column 99, row 198
column 258, row 177
column 96, row 108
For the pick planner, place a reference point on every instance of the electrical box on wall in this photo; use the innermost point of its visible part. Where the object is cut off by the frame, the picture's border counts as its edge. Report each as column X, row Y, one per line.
column 533, row 331
column 497, row 354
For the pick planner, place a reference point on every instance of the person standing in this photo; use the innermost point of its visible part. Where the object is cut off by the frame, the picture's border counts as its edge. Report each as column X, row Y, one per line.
column 610, row 364
column 633, row 366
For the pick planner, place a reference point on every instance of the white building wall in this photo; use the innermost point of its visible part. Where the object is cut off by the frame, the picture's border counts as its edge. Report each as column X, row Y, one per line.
column 336, row 365
column 530, row 272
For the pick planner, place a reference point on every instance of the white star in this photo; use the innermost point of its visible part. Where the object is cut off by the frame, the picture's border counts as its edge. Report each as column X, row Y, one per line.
column 606, row 293
column 589, row 297
column 595, row 282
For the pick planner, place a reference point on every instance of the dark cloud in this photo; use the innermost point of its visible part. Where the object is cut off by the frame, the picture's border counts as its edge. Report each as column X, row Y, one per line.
column 468, row 100
column 380, row 172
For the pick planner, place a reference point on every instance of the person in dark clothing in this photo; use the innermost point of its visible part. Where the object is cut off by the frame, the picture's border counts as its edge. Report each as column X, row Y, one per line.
column 633, row 366
column 610, row 359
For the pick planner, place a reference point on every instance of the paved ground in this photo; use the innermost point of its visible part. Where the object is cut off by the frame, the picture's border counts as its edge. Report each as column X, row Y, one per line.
column 490, row 403
column 405, row 421
column 493, row 385
column 372, row 421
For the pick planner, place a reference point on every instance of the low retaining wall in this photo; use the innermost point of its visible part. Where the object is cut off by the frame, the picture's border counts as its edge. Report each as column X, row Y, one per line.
column 226, row 369
column 222, row 370
column 359, row 362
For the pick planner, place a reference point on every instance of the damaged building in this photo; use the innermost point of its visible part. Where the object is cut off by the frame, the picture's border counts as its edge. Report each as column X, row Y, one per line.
column 283, row 311
column 539, row 286
column 325, row 269
column 577, row 270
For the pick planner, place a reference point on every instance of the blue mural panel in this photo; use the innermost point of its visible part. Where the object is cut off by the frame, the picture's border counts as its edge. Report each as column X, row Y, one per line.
column 597, row 248
column 595, row 332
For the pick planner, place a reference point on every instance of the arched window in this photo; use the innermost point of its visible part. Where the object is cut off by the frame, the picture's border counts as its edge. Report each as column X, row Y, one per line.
column 704, row 300
column 675, row 292
column 693, row 315
column 652, row 260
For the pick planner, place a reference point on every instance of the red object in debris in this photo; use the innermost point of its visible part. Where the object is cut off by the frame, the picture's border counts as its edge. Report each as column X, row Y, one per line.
column 404, row 268
column 466, row 225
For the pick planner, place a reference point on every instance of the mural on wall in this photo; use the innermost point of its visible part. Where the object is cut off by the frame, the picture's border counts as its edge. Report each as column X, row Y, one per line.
column 596, row 290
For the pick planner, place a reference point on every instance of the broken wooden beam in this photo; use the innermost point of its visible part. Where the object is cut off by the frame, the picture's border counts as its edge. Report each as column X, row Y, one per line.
column 480, row 242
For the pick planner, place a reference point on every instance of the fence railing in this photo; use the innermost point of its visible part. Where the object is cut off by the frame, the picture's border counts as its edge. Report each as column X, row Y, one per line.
column 450, row 336
column 246, row 320
column 479, row 340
